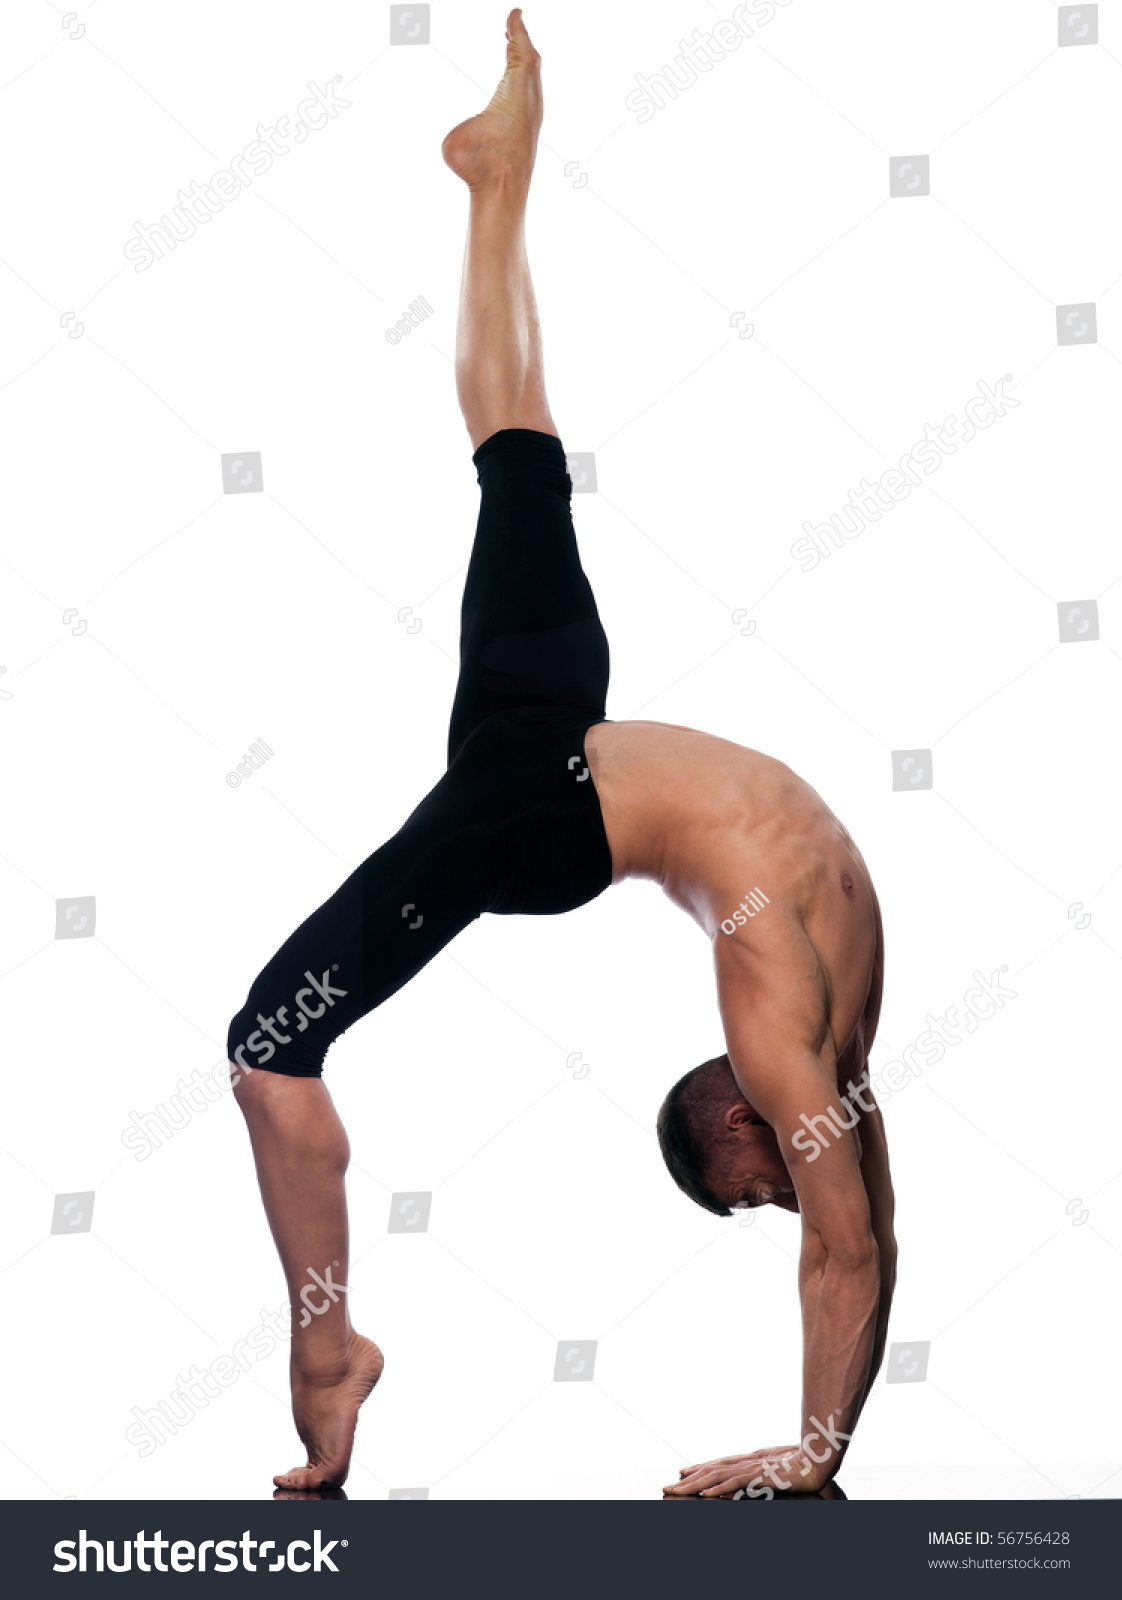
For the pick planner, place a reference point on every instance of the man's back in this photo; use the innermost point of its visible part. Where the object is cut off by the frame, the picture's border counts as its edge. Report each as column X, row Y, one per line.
column 752, row 853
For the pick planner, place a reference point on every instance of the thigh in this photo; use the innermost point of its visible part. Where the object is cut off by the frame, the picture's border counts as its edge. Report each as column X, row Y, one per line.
column 380, row 927
column 530, row 631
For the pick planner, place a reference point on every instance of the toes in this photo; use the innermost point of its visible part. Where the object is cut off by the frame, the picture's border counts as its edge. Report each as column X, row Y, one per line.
column 294, row 1478
column 518, row 38
column 310, row 1477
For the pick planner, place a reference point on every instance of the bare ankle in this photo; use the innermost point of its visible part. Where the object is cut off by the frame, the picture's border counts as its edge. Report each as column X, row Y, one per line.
column 505, row 183
column 323, row 1359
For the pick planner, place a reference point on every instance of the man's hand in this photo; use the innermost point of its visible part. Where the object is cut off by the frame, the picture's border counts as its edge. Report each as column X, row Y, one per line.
column 759, row 1475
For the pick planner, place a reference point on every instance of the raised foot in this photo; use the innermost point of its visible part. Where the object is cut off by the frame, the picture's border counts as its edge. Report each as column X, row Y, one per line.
column 502, row 140
column 325, row 1409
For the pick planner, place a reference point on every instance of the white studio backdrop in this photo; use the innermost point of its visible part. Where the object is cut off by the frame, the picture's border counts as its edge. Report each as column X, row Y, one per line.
column 757, row 293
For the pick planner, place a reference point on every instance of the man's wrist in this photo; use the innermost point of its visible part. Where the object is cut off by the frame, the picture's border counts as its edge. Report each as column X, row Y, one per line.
column 797, row 1473
column 821, row 1448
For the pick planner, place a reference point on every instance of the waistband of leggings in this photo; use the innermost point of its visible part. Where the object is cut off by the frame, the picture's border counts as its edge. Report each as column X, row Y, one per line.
column 529, row 446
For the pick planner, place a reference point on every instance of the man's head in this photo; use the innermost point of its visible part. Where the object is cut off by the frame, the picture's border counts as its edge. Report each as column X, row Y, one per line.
column 718, row 1148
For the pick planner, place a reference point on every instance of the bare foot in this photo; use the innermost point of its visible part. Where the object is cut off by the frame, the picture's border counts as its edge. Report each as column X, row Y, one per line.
column 325, row 1408
column 504, row 138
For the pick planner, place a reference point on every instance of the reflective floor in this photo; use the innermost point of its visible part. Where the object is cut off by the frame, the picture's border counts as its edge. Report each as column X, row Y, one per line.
column 832, row 1491
column 1050, row 1481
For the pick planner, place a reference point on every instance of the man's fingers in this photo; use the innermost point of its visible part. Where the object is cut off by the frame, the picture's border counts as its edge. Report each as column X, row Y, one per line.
column 701, row 1468
column 698, row 1481
column 762, row 1472
column 706, row 1477
column 729, row 1486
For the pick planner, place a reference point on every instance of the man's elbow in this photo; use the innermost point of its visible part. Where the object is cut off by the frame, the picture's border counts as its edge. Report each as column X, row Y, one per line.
column 855, row 1253
column 851, row 1275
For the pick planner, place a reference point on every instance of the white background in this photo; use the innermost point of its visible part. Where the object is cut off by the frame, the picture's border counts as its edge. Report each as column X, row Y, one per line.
column 213, row 621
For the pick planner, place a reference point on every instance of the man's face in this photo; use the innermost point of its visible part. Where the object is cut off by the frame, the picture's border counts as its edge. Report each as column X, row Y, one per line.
column 752, row 1172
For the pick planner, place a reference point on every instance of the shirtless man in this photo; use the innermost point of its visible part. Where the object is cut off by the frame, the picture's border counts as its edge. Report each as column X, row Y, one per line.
column 515, row 826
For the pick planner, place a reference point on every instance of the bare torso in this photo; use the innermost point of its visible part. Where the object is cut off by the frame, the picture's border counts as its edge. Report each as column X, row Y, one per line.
column 711, row 822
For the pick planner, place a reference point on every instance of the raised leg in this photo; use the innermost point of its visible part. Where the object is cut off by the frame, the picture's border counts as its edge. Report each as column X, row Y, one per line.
column 499, row 375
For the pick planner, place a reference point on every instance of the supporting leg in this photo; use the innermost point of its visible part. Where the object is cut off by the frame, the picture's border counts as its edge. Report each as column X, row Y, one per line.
column 301, row 1152
column 499, row 374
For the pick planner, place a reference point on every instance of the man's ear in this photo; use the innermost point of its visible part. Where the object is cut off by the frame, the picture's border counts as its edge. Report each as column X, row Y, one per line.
column 741, row 1115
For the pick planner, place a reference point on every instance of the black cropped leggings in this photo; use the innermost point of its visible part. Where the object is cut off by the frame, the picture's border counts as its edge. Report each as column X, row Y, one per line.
column 514, row 825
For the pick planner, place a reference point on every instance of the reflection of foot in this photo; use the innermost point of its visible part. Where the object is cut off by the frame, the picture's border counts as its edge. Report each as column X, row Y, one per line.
column 503, row 139
column 325, row 1408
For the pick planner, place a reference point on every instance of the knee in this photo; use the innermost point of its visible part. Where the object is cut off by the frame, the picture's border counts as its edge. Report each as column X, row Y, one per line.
column 255, row 1046
column 262, row 1095
column 239, row 1077
column 247, row 1048
column 253, row 1086
column 255, row 1092
column 246, row 1087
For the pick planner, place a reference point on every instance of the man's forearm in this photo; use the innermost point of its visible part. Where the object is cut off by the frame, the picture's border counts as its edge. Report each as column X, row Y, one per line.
column 882, row 1206
column 887, row 1249
column 840, row 1300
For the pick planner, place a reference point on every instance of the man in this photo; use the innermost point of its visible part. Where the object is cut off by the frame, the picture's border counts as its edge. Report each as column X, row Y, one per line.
column 546, row 803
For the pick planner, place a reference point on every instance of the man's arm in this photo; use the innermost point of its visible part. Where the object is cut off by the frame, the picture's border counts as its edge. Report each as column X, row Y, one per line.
column 874, row 1148
column 840, row 1272
column 774, row 1007
column 878, row 1186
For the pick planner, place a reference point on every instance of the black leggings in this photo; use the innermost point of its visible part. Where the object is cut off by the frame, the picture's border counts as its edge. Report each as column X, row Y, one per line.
column 514, row 825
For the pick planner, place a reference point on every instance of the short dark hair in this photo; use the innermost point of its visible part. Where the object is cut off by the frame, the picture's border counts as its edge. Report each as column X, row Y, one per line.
column 689, row 1124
